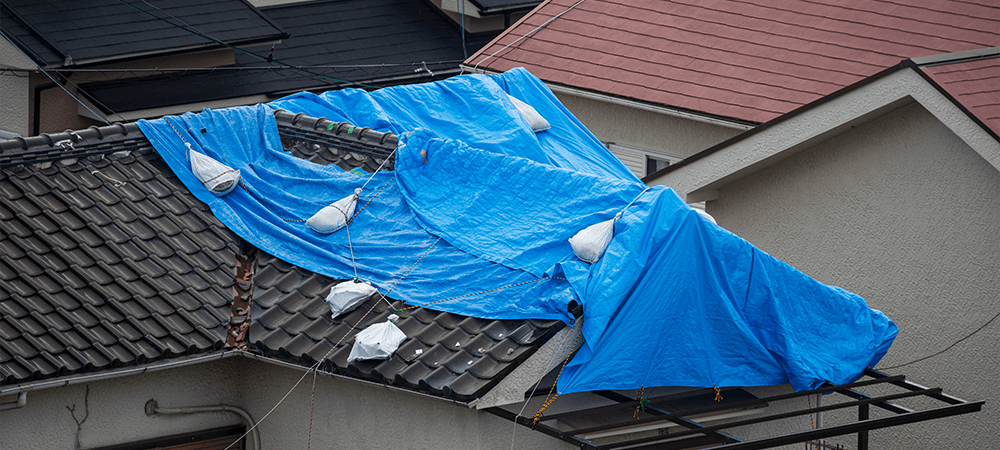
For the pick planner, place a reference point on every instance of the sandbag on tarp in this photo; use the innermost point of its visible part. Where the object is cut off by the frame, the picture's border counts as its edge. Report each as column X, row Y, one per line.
column 589, row 243
column 335, row 215
column 218, row 178
column 530, row 115
column 281, row 190
column 734, row 315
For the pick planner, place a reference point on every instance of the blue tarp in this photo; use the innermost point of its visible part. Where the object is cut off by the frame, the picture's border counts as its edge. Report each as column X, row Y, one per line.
column 675, row 301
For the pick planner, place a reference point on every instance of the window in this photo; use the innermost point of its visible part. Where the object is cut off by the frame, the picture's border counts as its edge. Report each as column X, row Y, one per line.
column 654, row 164
column 214, row 439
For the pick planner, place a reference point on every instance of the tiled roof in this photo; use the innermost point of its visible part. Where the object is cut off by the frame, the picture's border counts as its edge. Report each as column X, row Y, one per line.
column 739, row 59
column 54, row 30
column 974, row 84
column 107, row 260
column 385, row 42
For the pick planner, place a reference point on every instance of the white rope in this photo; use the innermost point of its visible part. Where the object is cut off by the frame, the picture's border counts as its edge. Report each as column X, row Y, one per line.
column 528, row 34
column 622, row 213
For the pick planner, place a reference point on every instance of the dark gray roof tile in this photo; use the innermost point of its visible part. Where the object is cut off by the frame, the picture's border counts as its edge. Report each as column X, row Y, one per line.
column 127, row 275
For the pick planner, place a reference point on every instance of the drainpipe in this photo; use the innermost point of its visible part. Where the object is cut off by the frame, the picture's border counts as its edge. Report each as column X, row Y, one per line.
column 36, row 123
column 152, row 409
column 22, row 399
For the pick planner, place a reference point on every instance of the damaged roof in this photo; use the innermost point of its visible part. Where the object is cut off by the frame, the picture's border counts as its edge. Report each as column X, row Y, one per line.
column 735, row 59
column 59, row 33
column 108, row 261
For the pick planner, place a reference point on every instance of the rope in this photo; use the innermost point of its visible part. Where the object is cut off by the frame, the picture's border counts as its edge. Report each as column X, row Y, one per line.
column 622, row 213
column 481, row 292
column 351, row 246
column 387, row 158
column 398, row 280
column 513, row 431
column 551, row 398
column 370, row 200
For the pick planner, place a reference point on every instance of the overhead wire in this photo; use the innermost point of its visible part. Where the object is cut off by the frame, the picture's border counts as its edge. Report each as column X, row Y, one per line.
column 526, row 34
column 192, row 31
column 61, row 86
column 953, row 344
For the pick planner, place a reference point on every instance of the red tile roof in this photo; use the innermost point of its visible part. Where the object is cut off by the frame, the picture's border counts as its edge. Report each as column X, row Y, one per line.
column 973, row 84
column 746, row 60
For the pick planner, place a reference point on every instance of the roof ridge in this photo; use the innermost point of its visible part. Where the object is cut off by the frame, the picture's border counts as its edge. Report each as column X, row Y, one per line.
column 121, row 137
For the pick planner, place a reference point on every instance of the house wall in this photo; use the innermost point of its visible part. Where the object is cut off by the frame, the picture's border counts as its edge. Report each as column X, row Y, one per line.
column 113, row 410
column 13, row 89
column 906, row 214
column 646, row 131
column 348, row 414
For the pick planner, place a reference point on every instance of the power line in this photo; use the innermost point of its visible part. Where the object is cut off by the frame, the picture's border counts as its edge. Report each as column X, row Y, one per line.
column 53, row 79
column 217, row 41
column 946, row 348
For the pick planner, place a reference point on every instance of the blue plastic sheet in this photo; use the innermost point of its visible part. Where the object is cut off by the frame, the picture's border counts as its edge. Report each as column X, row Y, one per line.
column 676, row 300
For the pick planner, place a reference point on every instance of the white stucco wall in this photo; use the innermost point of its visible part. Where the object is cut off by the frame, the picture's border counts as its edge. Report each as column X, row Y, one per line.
column 905, row 213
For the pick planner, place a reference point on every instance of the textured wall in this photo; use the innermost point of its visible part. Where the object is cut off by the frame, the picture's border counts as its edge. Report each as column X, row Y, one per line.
column 653, row 132
column 904, row 213
column 113, row 410
column 347, row 414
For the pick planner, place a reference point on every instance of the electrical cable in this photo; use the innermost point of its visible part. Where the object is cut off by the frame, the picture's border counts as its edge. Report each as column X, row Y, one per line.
column 217, row 41
column 53, row 79
column 946, row 348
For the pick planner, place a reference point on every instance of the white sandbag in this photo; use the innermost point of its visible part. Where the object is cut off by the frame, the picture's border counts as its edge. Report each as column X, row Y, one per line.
column 218, row 178
column 347, row 295
column 537, row 122
column 706, row 215
column 590, row 243
column 378, row 341
column 334, row 216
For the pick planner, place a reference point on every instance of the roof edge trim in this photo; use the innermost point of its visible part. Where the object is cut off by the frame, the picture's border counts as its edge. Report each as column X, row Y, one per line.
column 948, row 58
column 767, row 125
column 137, row 370
column 666, row 110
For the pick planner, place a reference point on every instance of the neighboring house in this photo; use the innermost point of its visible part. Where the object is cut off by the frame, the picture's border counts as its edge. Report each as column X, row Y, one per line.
column 69, row 39
column 130, row 317
column 662, row 80
column 889, row 188
column 138, row 60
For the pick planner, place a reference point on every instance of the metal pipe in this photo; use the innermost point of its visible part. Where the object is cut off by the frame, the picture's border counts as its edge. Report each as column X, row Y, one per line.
column 22, row 399
column 152, row 408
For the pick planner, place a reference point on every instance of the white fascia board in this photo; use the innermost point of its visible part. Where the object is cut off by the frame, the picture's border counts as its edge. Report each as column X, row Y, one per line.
column 805, row 129
column 560, row 89
column 151, row 113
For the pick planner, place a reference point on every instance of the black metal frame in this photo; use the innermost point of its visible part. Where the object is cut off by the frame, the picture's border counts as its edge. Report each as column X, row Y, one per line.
column 698, row 435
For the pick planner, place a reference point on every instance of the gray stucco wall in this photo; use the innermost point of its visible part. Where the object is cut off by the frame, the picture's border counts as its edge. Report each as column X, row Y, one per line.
column 655, row 133
column 113, row 409
column 904, row 213
column 347, row 414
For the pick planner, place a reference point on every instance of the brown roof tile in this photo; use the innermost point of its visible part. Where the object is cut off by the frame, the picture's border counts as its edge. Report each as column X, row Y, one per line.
column 692, row 55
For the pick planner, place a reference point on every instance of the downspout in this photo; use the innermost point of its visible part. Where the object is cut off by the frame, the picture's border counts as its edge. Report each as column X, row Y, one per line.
column 152, row 409
column 22, row 399
column 36, row 123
